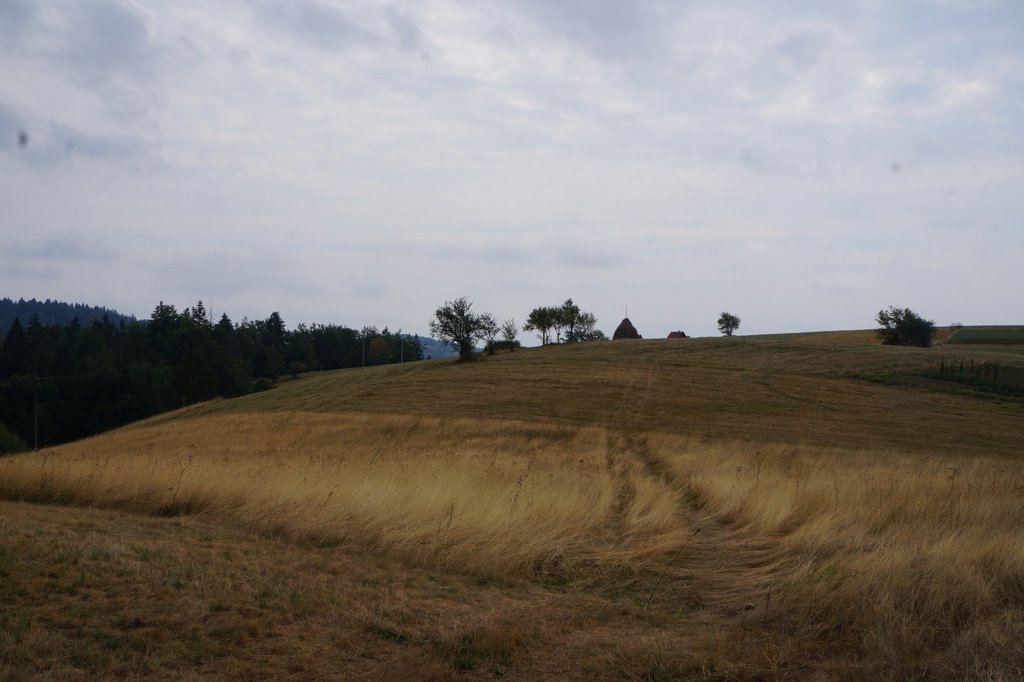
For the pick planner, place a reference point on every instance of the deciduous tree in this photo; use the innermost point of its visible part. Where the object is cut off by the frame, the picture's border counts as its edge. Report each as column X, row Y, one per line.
column 509, row 331
column 457, row 325
column 569, row 315
column 904, row 327
column 577, row 324
column 541, row 320
column 728, row 323
column 586, row 329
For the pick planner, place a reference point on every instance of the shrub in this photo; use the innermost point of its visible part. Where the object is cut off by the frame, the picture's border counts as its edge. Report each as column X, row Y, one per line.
column 494, row 346
column 904, row 327
column 262, row 384
column 10, row 441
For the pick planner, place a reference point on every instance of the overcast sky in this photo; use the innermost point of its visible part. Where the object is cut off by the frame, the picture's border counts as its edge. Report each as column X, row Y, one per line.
column 797, row 163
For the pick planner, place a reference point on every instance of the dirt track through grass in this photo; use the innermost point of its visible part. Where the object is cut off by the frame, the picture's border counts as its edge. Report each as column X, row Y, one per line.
column 683, row 579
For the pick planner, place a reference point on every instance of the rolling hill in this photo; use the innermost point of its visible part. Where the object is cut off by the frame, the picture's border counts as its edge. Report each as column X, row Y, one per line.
column 812, row 505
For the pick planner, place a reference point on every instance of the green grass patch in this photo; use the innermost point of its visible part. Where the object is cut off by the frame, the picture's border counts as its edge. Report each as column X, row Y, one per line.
column 1005, row 335
column 992, row 377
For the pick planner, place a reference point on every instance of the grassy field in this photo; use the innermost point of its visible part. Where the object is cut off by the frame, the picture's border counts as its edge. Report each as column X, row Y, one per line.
column 1006, row 335
column 767, row 508
column 777, row 390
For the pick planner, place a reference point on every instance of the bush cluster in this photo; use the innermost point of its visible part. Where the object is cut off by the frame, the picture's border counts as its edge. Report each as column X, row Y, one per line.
column 904, row 327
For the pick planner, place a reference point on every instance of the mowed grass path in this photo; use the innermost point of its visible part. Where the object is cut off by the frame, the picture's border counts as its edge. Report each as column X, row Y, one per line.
column 801, row 389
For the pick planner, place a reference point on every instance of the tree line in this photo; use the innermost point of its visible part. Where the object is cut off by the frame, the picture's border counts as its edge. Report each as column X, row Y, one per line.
column 55, row 312
column 457, row 325
column 565, row 323
column 65, row 382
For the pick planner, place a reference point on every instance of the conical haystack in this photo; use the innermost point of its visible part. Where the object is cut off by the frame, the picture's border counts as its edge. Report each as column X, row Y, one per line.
column 626, row 330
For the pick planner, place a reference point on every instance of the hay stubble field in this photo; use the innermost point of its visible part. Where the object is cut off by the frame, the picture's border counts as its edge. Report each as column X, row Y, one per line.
column 764, row 508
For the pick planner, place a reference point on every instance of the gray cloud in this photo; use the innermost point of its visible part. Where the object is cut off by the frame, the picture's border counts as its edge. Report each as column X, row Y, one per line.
column 52, row 144
column 100, row 51
column 108, row 40
column 607, row 28
column 99, row 147
column 312, row 23
column 11, row 125
column 589, row 256
column 317, row 24
column 15, row 16
column 609, row 151
column 406, row 31
column 68, row 246
column 802, row 50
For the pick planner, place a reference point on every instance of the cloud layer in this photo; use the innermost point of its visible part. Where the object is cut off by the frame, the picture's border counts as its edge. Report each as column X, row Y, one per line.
column 800, row 166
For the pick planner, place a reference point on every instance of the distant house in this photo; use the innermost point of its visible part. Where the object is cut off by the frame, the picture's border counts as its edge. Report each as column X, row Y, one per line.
column 677, row 335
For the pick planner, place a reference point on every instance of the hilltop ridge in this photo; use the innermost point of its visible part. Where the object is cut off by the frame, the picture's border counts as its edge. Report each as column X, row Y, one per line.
column 813, row 388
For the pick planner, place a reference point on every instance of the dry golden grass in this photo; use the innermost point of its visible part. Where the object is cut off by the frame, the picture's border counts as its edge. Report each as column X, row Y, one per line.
column 487, row 497
column 714, row 509
column 88, row 594
column 912, row 562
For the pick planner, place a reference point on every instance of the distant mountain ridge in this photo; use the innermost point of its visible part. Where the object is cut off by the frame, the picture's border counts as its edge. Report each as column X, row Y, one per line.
column 55, row 312
column 432, row 348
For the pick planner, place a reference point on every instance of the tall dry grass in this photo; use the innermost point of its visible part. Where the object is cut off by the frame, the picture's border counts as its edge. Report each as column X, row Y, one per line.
column 490, row 497
column 916, row 561
column 891, row 565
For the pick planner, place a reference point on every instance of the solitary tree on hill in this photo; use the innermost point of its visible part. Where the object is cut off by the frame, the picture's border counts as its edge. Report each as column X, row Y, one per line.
column 904, row 327
column 728, row 323
column 455, row 324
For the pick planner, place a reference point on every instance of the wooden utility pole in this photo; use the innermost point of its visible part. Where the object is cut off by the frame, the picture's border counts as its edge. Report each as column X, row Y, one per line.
column 36, row 426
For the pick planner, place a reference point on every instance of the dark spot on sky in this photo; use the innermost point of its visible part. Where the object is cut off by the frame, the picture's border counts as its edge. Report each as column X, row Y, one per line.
column 895, row 166
column 22, row 138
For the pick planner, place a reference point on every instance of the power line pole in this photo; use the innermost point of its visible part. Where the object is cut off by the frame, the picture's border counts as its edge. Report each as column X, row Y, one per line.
column 36, row 427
